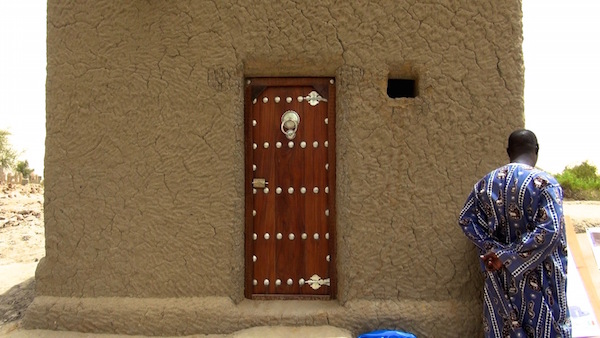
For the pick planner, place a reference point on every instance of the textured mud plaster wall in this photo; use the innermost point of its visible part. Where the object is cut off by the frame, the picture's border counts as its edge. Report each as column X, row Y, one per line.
column 144, row 159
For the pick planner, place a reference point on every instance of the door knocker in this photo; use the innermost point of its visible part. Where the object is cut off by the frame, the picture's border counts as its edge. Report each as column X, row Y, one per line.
column 289, row 124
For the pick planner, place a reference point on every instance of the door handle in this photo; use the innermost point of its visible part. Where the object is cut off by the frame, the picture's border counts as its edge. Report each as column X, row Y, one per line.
column 289, row 124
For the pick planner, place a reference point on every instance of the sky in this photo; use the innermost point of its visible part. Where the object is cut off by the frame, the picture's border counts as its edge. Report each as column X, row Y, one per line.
column 562, row 79
column 23, row 77
column 561, row 48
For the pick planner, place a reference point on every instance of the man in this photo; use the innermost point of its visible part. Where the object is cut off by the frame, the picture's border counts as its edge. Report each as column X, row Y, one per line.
column 514, row 216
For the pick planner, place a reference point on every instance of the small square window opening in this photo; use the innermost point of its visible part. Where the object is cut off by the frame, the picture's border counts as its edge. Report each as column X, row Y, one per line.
column 401, row 88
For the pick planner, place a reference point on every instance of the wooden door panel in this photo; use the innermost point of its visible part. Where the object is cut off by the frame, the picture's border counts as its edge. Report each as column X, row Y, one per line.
column 289, row 224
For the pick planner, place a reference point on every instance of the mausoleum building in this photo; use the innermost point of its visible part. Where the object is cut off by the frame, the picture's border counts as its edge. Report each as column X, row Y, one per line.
column 213, row 166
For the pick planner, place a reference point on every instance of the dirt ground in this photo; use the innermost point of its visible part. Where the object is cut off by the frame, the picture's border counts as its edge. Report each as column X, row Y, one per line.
column 22, row 245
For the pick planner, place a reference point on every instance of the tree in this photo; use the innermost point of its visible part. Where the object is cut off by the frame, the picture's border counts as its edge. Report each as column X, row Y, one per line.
column 8, row 155
column 580, row 182
column 23, row 168
column 584, row 171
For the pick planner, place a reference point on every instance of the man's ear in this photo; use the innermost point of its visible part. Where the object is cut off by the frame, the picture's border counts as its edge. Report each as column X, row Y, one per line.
column 537, row 148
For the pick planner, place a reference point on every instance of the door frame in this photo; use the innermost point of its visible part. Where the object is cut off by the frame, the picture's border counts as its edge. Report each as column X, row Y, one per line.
column 253, row 86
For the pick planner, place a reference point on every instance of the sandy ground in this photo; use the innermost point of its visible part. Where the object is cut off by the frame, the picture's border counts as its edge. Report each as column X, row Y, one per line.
column 22, row 246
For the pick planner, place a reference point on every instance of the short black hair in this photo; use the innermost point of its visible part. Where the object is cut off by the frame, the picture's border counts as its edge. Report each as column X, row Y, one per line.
column 522, row 141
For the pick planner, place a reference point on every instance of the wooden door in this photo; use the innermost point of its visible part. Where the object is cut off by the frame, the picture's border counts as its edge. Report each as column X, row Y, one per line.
column 290, row 188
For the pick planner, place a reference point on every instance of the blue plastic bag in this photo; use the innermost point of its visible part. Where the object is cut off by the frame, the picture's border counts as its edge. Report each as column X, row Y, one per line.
column 387, row 334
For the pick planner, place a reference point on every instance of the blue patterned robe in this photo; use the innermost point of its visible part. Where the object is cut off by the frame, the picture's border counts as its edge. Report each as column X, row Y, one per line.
column 516, row 212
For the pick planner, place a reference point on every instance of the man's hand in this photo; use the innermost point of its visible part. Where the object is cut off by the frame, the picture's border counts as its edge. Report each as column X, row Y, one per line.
column 491, row 261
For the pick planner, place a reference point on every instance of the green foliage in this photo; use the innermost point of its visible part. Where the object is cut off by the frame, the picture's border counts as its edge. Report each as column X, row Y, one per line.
column 580, row 182
column 8, row 155
column 23, row 168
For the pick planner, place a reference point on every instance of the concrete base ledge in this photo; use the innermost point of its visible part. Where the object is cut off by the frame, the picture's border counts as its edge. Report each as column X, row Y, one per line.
column 221, row 316
column 255, row 332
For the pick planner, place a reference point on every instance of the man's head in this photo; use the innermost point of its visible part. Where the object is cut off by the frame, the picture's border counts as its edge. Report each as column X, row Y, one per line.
column 523, row 147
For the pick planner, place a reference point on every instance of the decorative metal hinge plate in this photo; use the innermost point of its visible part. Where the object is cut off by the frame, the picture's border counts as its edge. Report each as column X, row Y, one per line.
column 316, row 282
column 314, row 98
